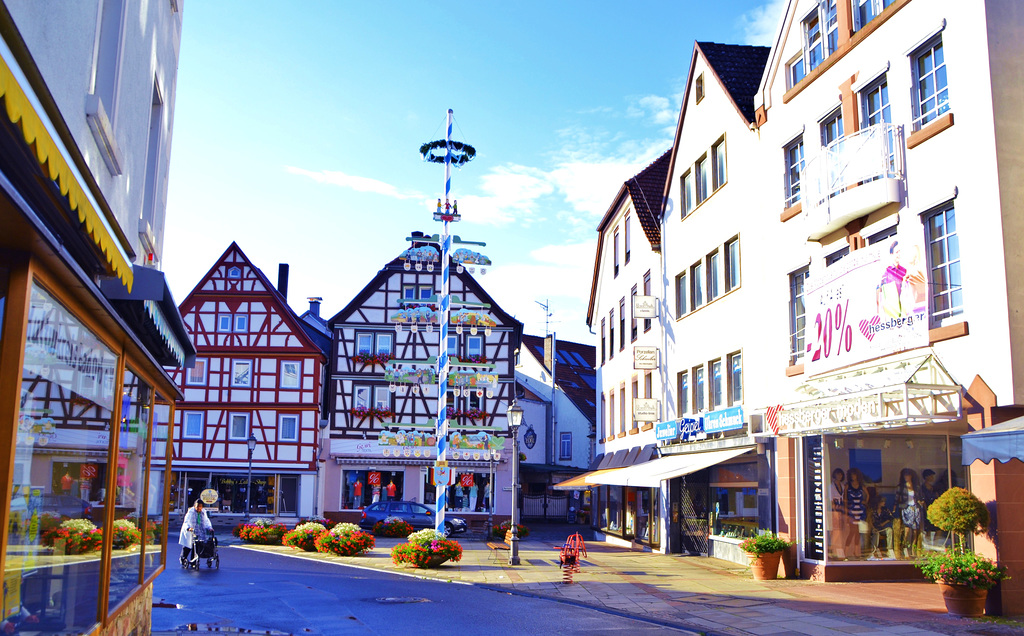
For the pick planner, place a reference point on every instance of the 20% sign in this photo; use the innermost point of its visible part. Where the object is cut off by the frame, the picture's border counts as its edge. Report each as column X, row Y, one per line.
column 832, row 328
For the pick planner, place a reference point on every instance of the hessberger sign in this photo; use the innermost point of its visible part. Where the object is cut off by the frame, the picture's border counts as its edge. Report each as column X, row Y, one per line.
column 834, row 414
column 645, row 357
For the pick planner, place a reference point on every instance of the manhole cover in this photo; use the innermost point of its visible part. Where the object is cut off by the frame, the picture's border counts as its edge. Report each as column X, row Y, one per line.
column 390, row 600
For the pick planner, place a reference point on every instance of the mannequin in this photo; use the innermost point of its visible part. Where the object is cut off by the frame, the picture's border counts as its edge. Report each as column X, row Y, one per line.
column 837, row 495
column 856, row 510
column 908, row 510
column 391, row 488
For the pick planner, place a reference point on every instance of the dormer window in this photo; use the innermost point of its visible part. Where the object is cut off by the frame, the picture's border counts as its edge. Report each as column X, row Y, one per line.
column 698, row 88
column 234, row 272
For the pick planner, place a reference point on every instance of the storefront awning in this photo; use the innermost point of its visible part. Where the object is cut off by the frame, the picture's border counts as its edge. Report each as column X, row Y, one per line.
column 610, row 464
column 1001, row 442
column 651, row 474
column 905, row 390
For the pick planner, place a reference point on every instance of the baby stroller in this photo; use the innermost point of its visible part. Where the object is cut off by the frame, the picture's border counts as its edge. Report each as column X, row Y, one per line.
column 204, row 550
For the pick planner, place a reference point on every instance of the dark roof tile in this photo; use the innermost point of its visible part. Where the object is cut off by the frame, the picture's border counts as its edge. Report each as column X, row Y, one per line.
column 740, row 68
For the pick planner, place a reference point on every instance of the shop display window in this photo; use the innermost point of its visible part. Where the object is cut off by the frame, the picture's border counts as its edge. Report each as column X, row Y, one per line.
column 734, row 500
column 878, row 491
column 156, row 522
column 470, row 493
column 611, row 516
column 60, row 470
column 360, row 488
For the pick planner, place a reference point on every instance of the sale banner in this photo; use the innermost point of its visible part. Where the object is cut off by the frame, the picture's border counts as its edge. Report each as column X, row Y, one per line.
column 871, row 303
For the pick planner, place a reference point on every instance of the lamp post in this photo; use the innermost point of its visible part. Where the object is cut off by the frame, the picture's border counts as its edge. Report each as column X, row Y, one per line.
column 515, row 418
column 251, row 443
column 319, row 454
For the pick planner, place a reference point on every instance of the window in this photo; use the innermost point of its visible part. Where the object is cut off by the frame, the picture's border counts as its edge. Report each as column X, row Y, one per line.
column 622, row 324
column 234, row 272
column 647, row 292
column 473, row 400
column 153, row 167
column 238, row 427
column 382, row 398
column 837, row 256
column 224, row 322
column 881, row 235
column 632, row 315
column 703, row 179
column 683, row 393
column 364, row 343
column 603, row 342
column 864, row 11
column 290, row 372
column 616, row 262
column 475, row 346
column 385, row 343
column 426, row 291
column 698, row 88
column 712, row 276
column 718, row 154
column 604, row 414
column 241, row 322
column 241, row 373
column 288, row 428
column 875, row 104
column 681, row 292
column 735, row 379
column 101, row 104
column 453, row 344
column 565, row 446
column 611, row 334
column 409, row 292
column 814, row 45
column 688, row 192
column 696, row 285
column 626, row 230
column 821, row 39
column 794, row 154
column 622, row 408
column 611, row 414
column 944, row 264
column 361, row 397
column 797, row 313
column 698, row 389
column 197, row 374
column 832, row 127
column 732, row 264
column 797, row 70
column 193, row 425
column 931, row 95
column 636, row 393
column 715, row 370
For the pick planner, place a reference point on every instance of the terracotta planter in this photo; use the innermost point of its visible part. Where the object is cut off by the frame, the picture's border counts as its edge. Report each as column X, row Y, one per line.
column 434, row 561
column 963, row 601
column 766, row 566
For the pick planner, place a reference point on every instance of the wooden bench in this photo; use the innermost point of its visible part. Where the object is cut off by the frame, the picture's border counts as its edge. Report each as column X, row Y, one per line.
column 496, row 547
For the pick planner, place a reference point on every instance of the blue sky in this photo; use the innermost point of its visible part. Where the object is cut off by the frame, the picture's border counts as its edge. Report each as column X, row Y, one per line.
column 296, row 134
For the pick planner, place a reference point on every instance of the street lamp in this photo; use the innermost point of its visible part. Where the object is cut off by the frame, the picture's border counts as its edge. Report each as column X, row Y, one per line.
column 251, row 443
column 319, row 455
column 515, row 418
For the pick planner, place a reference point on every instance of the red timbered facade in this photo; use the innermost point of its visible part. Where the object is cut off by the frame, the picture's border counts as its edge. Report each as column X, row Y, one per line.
column 257, row 373
column 382, row 393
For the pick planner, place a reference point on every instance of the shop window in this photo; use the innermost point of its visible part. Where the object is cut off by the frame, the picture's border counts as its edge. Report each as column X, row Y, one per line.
column 360, row 488
column 565, row 445
column 156, row 520
column 288, row 428
column 879, row 488
column 238, row 426
column 290, row 372
column 241, row 373
column 196, row 376
column 734, row 499
column 611, row 517
column 471, row 492
column 193, row 424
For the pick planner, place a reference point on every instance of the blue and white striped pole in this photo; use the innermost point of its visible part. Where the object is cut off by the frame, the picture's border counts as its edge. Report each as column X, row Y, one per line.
column 442, row 317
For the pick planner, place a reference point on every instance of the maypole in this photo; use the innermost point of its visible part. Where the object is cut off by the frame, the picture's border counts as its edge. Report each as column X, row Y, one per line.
column 442, row 349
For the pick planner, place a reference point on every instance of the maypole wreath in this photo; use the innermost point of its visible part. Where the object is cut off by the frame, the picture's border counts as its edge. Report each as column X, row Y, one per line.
column 461, row 153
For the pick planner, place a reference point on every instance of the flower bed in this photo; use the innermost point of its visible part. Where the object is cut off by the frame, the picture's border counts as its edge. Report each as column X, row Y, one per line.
column 426, row 548
column 304, row 536
column 262, row 532
column 126, row 534
column 392, row 527
column 345, row 539
column 499, row 530
column 79, row 536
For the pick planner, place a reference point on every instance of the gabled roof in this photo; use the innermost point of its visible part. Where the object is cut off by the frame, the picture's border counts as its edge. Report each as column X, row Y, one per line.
column 645, row 190
column 571, row 371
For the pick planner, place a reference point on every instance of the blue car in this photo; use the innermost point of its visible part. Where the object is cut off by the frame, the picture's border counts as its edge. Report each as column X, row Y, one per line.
column 415, row 514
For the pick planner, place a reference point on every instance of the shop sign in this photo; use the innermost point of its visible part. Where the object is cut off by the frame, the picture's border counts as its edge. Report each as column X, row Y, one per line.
column 854, row 411
column 691, row 429
column 666, row 430
column 645, row 307
column 209, row 496
column 466, row 480
column 869, row 304
column 645, row 409
column 645, row 357
column 728, row 419
column 373, row 479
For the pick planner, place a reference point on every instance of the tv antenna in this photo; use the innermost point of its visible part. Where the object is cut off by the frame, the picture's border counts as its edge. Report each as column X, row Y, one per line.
column 547, row 314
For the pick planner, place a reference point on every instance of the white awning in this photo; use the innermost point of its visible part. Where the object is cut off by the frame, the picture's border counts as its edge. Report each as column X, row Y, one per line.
column 1001, row 442
column 651, row 474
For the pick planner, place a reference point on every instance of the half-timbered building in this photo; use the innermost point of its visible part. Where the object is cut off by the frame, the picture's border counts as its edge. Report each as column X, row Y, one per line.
column 257, row 375
column 383, row 397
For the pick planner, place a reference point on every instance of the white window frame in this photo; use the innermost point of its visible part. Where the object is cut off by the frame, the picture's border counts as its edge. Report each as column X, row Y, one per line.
column 719, row 165
column 935, row 243
column 232, row 418
column 732, row 264
column 833, row 119
column 234, row 272
column 798, row 313
column 381, row 397
column 426, row 291
column 285, row 365
column 204, row 365
column 697, row 282
column 793, row 191
column 716, row 389
column 385, row 343
column 235, row 364
column 699, row 397
column 922, row 119
column 474, row 345
column 453, row 345
column 688, row 192
column 683, row 393
column 361, row 396
column 713, row 263
column 360, row 339
column 565, row 445
column 241, row 323
column 224, row 322
column 281, row 436
column 409, row 292
column 734, row 369
column 185, row 416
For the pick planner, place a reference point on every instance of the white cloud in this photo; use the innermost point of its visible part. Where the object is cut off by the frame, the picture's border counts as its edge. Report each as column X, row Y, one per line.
column 352, row 182
column 563, row 286
column 660, row 109
column 760, row 23
column 508, row 194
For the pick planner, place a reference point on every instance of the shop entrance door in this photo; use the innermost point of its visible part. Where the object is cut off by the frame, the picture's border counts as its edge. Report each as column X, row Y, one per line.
column 694, row 508
column 192, row 489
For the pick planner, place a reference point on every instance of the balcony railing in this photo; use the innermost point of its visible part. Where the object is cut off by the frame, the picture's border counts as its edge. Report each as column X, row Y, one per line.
column 852, row 177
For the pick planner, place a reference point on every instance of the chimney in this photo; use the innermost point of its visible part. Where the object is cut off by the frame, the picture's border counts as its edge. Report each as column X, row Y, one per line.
column 314, row 305
column 282, row 279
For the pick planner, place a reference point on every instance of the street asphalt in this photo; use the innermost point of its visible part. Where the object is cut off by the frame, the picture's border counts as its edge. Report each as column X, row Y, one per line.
column 700, row 594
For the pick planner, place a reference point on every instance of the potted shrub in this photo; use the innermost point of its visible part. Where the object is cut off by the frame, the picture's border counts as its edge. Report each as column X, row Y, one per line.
column 964, row 578
column 392, row 527
column 345, row 539
column 426, row 549
column 765, row 550
column 304, row 536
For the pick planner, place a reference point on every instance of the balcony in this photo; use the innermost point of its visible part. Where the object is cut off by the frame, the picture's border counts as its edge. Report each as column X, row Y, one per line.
column 853, row 177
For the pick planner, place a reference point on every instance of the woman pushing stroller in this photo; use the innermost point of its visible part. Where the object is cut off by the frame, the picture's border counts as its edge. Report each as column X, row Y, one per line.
column 195, row 527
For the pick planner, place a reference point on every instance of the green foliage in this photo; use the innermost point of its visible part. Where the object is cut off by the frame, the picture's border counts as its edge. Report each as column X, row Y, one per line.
column 962, row 568
column 75, row 540
column 304, row 536
column 126, row 534
column 427, row 554
column 392, row 527
column 499, row 530
column 262, row 534
column 345, row 543
column 765, row 542
column 960, row 512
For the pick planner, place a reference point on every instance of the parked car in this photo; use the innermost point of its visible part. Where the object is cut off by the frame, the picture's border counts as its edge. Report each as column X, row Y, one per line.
column 415, row 514
column 66, row 506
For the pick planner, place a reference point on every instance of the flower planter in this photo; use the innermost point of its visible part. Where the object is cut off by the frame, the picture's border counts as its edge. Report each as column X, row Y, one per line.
column 765, row 567
column 434, row 561
column 962, row 600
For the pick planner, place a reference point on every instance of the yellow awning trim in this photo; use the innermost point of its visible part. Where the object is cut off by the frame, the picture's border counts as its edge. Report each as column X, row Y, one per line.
column 21, row 112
